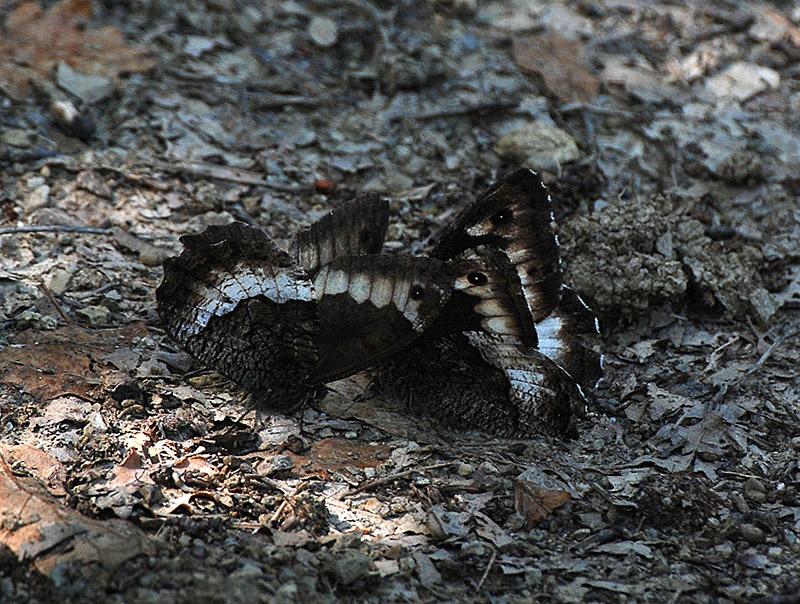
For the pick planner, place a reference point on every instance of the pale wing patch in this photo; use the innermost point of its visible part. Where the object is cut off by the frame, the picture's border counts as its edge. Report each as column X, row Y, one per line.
column 499, row 325
column 551, row 340
column 382, row 291
column 331, row 282
column 220, row 298
column 360, row 286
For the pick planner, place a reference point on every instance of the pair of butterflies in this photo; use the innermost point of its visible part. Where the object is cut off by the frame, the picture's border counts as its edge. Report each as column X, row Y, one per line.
column 482, row 333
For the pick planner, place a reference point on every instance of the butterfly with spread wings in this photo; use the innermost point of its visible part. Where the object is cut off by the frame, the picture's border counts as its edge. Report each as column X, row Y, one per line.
column 281, row 323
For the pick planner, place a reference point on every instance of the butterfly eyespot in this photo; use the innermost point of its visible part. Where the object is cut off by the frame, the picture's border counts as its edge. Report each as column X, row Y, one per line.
column 502, row 217
column 477, row 278
column 417, row 292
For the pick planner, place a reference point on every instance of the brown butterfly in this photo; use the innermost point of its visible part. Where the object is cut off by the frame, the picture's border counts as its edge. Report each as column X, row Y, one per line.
column 280, row 324
column 511, row 384
column 514, row 216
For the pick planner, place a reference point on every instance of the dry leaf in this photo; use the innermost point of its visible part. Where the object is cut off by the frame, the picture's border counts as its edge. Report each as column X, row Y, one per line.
column 35, row 42
column 563, row 65
column 39, row 529
column 534, row 503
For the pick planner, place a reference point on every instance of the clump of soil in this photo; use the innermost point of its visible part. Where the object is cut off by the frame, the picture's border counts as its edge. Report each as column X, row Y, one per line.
column 634, row 254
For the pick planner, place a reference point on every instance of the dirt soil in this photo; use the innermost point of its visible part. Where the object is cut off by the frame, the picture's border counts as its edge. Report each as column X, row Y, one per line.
column 669, row 136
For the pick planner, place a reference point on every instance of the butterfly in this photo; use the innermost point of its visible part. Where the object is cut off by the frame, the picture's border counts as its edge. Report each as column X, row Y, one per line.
column 510, row 384
column 282, row 323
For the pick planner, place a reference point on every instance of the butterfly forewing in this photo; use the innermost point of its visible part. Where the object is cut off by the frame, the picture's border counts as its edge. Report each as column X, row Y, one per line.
column 514, row 215
column 487, row 297
column 355, row 229
column 372, row 306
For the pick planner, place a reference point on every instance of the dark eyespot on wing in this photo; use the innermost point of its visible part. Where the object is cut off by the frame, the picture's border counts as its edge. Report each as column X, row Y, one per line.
column 514, row 215
column 488, row 298
column 355, row 229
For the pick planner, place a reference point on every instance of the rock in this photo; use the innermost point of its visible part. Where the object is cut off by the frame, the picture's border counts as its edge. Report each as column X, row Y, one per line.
column 754, row 490
column 349, row 565
column 323, row 32
column 472, row 548
column 16, row 137
column 488, row 468
column 752, row 534
column 89, row 88
column 465, row 469
column 743, row 81
column 38, row 198
column 539, row 146
column 31, row 319
column 93, row 315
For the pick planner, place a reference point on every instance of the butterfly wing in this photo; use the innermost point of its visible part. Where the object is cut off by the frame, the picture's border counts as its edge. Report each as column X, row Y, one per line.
column 542, row 395
column 240, row 305
column 487, row 297
column 566, row 337
column 513, row 216
column 355, row 229
column 372, row 306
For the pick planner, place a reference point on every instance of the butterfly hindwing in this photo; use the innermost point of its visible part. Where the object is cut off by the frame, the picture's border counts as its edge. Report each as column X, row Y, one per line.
column 240, row 305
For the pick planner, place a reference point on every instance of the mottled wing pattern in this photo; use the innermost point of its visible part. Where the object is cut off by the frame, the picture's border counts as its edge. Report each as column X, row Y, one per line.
column 543, row 396
column 514, row 216
column 240, row 305
column 372, row 306
column 355, row 229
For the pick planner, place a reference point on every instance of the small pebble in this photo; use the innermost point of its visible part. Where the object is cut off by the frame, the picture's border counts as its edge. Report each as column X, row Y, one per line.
column 465, row 469
column 488, row 468
column 752, row 534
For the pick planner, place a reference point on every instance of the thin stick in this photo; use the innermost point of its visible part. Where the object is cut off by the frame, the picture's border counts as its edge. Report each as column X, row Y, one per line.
column 387, row 479
column 53, row 301
column 54, row 228
column 771, row 349
column 456, row 111
column 488, row 568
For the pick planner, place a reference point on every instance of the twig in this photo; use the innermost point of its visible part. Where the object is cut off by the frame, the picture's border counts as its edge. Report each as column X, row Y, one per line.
column 770, row 350
column 480, row 108
column 236, row 175
column 53, row 301
column 607, row 111
column 391, row 478
column 275, row 101
column 488, row 568
column 54, row 228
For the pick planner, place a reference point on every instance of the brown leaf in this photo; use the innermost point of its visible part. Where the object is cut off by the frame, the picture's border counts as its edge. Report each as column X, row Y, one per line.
column 563, row 65
column 39, row 529
column 49, row 364
column 35, row 41
column 50, row 472
column 535, row 503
